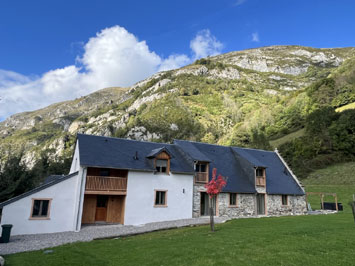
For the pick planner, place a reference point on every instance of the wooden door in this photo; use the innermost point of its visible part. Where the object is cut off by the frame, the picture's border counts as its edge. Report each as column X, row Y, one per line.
column 101, row 208
column 260, row 204
column 115, row 209
column 89, row 209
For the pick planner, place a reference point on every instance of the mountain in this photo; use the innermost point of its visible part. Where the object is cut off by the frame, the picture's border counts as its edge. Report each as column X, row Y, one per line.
column 251, row 98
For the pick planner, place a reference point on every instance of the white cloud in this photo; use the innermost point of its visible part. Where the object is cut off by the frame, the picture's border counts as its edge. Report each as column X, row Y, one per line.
column 255, row 37
column 174, row 61
column 205, row 44
column 114, row 57
column 239, row 2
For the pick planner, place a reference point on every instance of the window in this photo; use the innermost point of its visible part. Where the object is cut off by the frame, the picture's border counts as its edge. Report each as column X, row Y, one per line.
column 233, row 199
column 259, row 172
column 201, row 172
column 260, row 177
column 284, row 200
column 40, row 208
column 104, row 172
column 161, row 166
column 201, row 168
column 160, row 198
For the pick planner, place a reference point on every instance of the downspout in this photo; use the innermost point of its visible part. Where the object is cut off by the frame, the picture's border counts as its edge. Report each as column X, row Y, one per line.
column 81, row 199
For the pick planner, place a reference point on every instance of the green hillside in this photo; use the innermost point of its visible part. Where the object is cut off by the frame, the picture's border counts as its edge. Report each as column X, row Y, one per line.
column 338, row 178
column 278, row 96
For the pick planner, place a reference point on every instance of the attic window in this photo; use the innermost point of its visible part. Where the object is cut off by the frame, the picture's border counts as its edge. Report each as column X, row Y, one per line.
column 162, row 162
column 161, row 165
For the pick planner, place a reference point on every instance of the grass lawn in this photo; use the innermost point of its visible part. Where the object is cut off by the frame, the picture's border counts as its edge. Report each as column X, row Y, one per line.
column 278, row 142
column 298, row 240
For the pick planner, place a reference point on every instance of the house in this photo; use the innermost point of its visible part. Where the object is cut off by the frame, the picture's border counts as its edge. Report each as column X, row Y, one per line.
column 130, row 182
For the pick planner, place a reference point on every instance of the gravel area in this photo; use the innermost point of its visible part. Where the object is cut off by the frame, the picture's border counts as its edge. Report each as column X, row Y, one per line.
column 21, row 243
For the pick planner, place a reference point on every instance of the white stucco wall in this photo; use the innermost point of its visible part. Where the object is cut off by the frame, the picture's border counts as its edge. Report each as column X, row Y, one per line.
column 141, row 186
column 75, row 164
column 63, row 210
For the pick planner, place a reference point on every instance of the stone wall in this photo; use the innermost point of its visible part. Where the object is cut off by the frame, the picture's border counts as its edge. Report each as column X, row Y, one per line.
column 296, row 205
column 245, row 205
column 197, row 199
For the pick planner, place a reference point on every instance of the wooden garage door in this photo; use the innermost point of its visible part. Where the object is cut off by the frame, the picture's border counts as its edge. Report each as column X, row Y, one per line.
column 115, row 209
column 89, row 209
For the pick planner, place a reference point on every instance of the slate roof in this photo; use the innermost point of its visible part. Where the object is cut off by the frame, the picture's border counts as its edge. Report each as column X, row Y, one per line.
column 278, row 179
column 110, row 152
column 192, row 151
column 155, row 152
column 238, row 164
column 51, row 178
column 50, row 181
column 223, row 159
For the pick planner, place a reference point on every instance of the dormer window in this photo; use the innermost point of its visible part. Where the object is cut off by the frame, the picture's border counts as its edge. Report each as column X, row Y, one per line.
column 260, row 176
column 161, row 166
column 201, row 168
column 201, row 172
column 161, row 159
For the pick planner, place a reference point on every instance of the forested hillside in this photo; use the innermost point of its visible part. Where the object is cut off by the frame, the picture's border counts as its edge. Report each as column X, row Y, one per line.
column 298, row 99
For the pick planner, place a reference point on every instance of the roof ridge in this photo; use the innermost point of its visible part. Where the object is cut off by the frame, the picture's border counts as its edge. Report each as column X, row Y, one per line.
column 130, row 140
column 226, row 146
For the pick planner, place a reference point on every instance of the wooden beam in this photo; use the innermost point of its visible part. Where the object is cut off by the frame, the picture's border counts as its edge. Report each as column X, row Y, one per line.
column 336, row 202
column 101, row 192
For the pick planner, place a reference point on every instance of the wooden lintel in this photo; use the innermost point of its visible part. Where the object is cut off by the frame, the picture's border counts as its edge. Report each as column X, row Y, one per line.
column 98, row 192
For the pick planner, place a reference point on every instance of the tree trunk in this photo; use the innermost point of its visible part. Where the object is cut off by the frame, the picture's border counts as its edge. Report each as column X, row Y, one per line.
column 211, row 214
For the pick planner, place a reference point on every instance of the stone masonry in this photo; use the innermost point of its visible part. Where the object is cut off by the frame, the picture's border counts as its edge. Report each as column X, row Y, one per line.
column 245, row 205
column 197, row 199
column 296, row 205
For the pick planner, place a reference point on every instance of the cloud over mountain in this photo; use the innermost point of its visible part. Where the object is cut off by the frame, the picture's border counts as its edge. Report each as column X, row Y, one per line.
column 114, row 57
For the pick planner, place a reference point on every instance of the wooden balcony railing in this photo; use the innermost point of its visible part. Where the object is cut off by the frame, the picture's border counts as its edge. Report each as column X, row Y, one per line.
column 201, row 177
column 105, row 183
column 260, row 181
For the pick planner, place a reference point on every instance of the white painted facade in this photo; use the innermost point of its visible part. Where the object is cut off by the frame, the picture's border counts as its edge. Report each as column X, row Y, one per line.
column 141, row 186
column 75, row 164
column 63, row 209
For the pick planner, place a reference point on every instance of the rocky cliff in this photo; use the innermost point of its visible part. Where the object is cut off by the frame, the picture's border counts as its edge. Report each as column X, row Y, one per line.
column 242, row 98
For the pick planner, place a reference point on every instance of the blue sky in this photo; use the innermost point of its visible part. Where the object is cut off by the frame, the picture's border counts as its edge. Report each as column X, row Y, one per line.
column 57, row 50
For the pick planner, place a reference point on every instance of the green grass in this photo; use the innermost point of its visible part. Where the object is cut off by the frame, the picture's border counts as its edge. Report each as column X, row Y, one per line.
column 292, row 240
column 339, row 179
column 301, row 240
column 278, row 142
column 346, row 107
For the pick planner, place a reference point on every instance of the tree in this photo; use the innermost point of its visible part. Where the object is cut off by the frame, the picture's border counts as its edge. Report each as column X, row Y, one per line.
column 214, row 187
